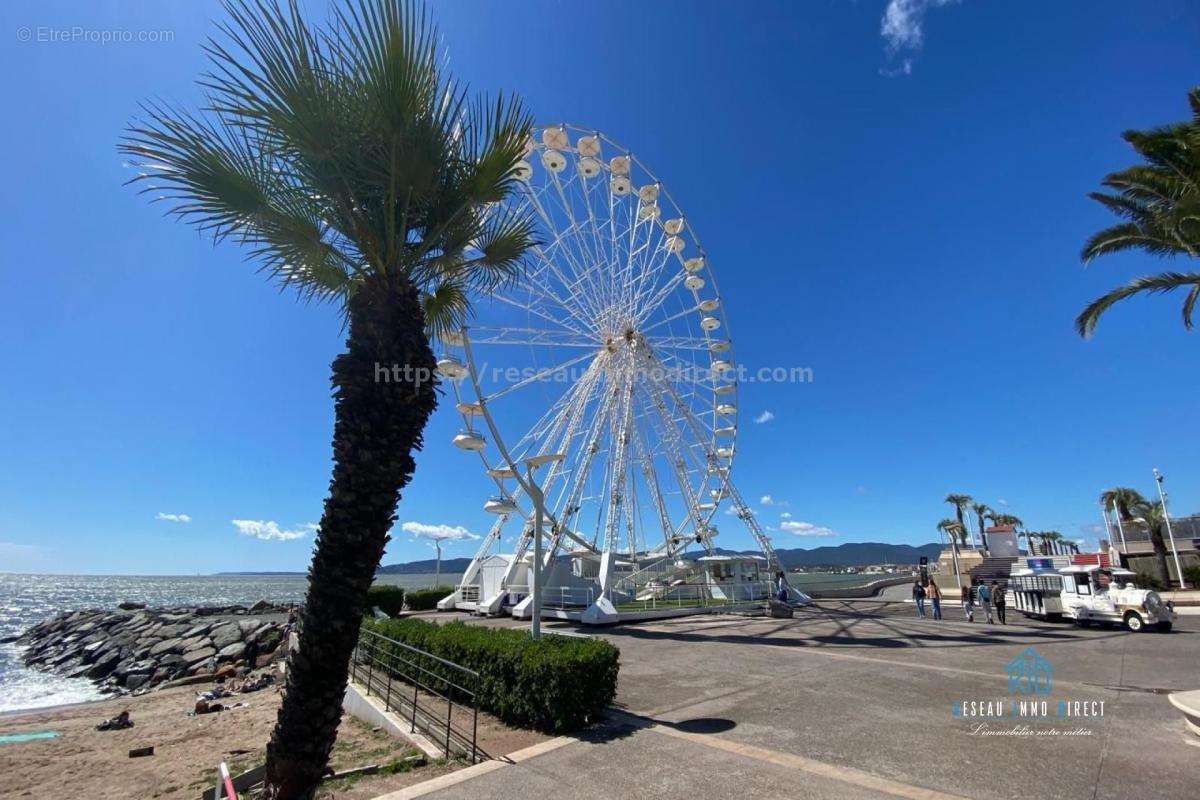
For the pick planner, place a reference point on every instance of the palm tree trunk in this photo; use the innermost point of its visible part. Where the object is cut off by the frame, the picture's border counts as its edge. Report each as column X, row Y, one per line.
column 1160, row 557
column 380, row 414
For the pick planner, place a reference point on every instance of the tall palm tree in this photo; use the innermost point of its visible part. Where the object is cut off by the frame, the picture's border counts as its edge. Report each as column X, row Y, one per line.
column 1052, row 538
column 351, row 169
column 1160, row 203
column 960, row 502
column 1150, row 514
column 1125, row 500
column 981, row 511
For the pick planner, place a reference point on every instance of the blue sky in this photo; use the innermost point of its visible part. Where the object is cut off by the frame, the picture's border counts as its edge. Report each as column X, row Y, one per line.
column 901, row 213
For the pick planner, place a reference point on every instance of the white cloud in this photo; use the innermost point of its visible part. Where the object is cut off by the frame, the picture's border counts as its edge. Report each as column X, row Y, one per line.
column 903, row 29
column 765, row 416
column 786, row 515
column 439, row 533
column 1002, row 501
column 269, row 530
column 173, row 517
column 800, row 528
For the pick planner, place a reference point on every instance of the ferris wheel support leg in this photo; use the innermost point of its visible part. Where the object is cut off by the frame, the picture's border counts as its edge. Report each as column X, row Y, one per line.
column 602, row 611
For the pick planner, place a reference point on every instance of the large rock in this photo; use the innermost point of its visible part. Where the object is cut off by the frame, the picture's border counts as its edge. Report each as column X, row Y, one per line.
column 174, row 631
column 166, row 646
column 136, row 680
column 198, row 630
column 104, row 665
column 232, row 652
column 226, row 635
column 262, row 607
column 193, row 643
column 200, row 654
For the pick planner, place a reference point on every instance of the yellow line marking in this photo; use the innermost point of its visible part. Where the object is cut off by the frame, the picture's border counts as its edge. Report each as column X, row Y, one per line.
column 854, row 777
column 475, row 770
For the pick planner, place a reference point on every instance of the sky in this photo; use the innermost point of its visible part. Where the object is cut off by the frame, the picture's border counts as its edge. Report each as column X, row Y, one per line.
column 891, row 193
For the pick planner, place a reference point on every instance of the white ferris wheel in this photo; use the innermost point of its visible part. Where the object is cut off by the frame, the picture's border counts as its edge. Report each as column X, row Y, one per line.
column 607, row 363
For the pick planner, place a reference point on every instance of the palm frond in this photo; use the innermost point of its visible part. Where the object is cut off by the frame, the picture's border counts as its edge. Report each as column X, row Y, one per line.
column 219, row 179
column 1085, row 323
column 342, row 151
column 447, row 309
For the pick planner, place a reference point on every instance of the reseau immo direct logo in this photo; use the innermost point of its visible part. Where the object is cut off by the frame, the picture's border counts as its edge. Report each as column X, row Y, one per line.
column 1030, row 699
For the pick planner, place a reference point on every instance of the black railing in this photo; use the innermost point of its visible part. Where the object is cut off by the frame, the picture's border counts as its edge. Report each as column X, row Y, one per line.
column 423, row 690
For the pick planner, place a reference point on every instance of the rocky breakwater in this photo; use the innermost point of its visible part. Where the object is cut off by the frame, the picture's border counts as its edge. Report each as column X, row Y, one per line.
column 135, row 649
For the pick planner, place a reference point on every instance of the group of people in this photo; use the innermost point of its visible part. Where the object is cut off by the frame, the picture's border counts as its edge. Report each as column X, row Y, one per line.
column 990, row 597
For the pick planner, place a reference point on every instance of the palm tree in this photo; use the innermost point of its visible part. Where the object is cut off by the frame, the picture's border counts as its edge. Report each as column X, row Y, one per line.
column 1159, row 201
column 981, row 511
column 1052, row 538
column 1125, row 500
column 960, row 502
column 353, row 171
column 1151, row 514
column 954, row 530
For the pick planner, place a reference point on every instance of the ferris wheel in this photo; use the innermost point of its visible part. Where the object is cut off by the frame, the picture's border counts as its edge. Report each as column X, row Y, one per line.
column 608, row 362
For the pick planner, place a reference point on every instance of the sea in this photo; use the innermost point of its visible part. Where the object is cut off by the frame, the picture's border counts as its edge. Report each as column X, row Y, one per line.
column 28, row 599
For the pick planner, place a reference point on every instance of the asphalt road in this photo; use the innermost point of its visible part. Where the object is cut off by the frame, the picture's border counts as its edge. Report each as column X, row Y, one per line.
column 855, row 699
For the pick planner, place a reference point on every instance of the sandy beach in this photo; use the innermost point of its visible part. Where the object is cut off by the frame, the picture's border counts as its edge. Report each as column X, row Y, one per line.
column 81, row 761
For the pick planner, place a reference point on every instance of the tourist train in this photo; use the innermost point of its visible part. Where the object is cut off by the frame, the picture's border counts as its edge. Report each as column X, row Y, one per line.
column 1088, row 593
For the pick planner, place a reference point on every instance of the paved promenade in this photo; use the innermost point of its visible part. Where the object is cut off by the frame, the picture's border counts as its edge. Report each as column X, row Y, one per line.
column 855, row 699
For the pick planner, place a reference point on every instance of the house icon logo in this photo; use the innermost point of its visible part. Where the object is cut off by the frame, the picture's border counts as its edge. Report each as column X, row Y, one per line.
column 1029, row 673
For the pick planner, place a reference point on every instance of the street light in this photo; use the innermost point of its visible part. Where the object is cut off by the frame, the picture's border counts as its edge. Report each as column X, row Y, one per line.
column 535, row 579
column 1162, row 496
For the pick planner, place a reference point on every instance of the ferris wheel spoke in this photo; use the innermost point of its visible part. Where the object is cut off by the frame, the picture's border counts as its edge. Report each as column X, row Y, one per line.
column 654, row 303
column 559, row 238
column 652, row 485
column 538, row 376
column 535, row 283
column 508, row 301
column 678, row 315
column 543, row 337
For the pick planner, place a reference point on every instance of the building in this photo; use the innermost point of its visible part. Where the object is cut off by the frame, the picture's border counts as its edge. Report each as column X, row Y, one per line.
column 1131, row 543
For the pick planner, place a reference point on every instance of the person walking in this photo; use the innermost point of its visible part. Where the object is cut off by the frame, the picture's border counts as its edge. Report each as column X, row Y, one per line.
column 935, row 598
column 985, row 601
column 968, row 603
column 781, row 587
column 998, row 598
column 918, row 593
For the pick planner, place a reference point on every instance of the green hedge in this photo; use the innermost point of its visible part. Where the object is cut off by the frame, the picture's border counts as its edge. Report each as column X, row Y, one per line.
column 426, row 599
column 1191, row 574
column 554, row 684
column 1144, row 580
column 388, row 599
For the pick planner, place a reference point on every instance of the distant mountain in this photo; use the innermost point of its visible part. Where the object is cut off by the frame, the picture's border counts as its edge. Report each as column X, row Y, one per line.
column 842, row 555
column 449, row 566
column 857, row 553
column 259, row 573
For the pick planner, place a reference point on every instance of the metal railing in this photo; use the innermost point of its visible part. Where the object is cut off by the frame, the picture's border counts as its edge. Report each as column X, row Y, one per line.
column 422, row 689
column 695, row 595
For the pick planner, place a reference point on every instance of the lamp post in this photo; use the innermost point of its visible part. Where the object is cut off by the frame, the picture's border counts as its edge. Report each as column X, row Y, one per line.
column 535, row 579
column 1120, row 527
column 437, row 579
column 1162, row 497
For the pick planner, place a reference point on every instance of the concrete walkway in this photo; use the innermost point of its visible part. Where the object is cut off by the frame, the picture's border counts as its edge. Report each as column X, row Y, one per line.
column 855, row 700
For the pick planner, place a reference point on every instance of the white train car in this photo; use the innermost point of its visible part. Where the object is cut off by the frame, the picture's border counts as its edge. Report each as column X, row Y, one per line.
column 1037, row 593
